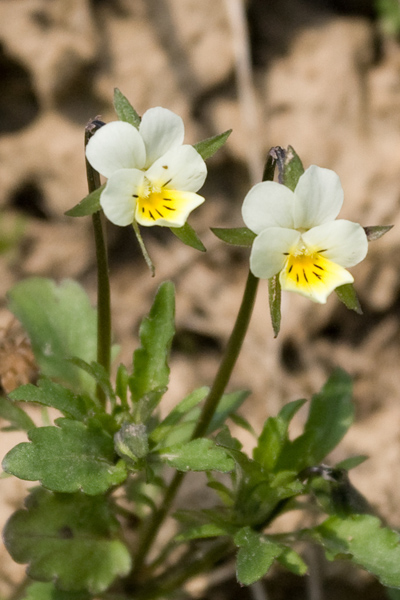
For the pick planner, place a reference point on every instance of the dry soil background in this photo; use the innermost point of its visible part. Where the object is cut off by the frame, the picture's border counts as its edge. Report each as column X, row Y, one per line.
column 327, row 82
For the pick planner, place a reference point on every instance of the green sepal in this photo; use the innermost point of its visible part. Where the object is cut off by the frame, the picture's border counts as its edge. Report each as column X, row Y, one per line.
column 197, row 455
column 274, row 296
column 236, row 236
column 375, row 232
column 207, row 148
column 347, row 294
column 49, row 393
column 351, row 463
column 60, row 323
column 256, row 554
column 69, row 539
column 188, row 236
column 88, row 206
column 331, row 414
column 18, row 419
column 150, row 362
column 292, row 168
column 67, row 458
column 48, row 591
column 124, row 109
column 363, row 540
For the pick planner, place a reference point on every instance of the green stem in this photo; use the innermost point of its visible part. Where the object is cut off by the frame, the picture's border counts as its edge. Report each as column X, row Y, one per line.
column 220, row 382
column 103, row 281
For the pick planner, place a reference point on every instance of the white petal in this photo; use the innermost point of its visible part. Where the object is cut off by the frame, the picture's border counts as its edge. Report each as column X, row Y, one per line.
column 170, row 209
column 161, row 130
column 319, row 198
column 268, row 204
column 270, row 249
column 118, row 199
column 179, row 169
column 117, row 145
column 342, row 242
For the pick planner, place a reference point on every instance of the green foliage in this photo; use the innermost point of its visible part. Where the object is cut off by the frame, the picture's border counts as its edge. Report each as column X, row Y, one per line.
column 89, row 205
column 197, row 455
column 47, row 591
column 131, row 442
column 67, row 458
column 17, row 417
column 236, row 236
column 210, row 146
column 188, row 236
column 124, row 109
column 292, row 168
column 255, row 556
column 363, row 540
column 389, row 16
column 347, row 294
column 150, row 368
column 275, row 293
column 60, row 323
column 331, row 414
column 71, row 539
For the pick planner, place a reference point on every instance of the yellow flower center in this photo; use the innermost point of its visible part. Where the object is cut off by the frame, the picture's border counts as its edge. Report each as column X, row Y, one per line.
column 154, row 201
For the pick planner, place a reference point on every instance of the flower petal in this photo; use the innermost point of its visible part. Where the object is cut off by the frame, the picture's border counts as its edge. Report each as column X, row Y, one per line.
column 313, row 277
column 268, row 204
column 171, row 208
column 342, row 242
column 181, row 168
column 270, row 251
column 319, row 198
column 117, row 145
column 118, row 199
column 161, row 130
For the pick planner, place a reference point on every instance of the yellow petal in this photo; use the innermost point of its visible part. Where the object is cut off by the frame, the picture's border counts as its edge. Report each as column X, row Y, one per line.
column 313, row 276
column 169, row 208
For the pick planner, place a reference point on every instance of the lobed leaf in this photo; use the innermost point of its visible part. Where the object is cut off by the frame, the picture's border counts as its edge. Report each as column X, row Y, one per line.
column 125, row 110
column 210, row 146
column 188, row 236
column 17, row 417
column 67, row 458
column 88, row 206
column 255, row 556
column 69, row 539
column 60, row 323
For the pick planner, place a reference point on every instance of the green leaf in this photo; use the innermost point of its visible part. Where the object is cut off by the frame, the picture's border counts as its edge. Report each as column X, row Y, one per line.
column 228, row 404
column 209, row 147
column 188, row 236
column 55, row 395
column 292, row 562
column 236, row 236
column 351, row 463
column 88, row 206
column 393, row 594
column 17, row 417
column 274, row 294
column 150, row 368
column 376, row 231
column 347, row 294
column 274, row 435
column 67, row 458
column 60, row 323
column 256, row 555
column 197, row 455
column 331, row 414
column 124, row 109
column 208, row 530
column 47, row 591
column 131, row 442
column 362, row 539
column 292, row 169
column 71, row 539
column 98, row 373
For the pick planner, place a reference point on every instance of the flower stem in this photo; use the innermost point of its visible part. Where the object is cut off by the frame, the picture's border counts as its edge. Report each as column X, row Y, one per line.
column 103, row 282
column 220, row 382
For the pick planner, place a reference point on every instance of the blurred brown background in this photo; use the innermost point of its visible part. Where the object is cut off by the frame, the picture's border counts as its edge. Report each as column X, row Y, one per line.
column 321, row 75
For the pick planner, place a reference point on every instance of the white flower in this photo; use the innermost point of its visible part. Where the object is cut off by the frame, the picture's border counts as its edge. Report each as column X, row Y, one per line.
column 298, row 237
column 152, row 177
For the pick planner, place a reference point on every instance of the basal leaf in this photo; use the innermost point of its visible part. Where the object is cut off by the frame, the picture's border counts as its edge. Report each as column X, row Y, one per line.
column 17, row 417
column 88, row 206
column 255, row 556
column 60, row 323
column 188, row 236
column 347, row 294
column 67, row 458
column 209, row 147
column 150, row 367
column 236, row 236
column 197, row 455
column 124, row 109
column 69, row 539
column 363, row 539
column 55, row 395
